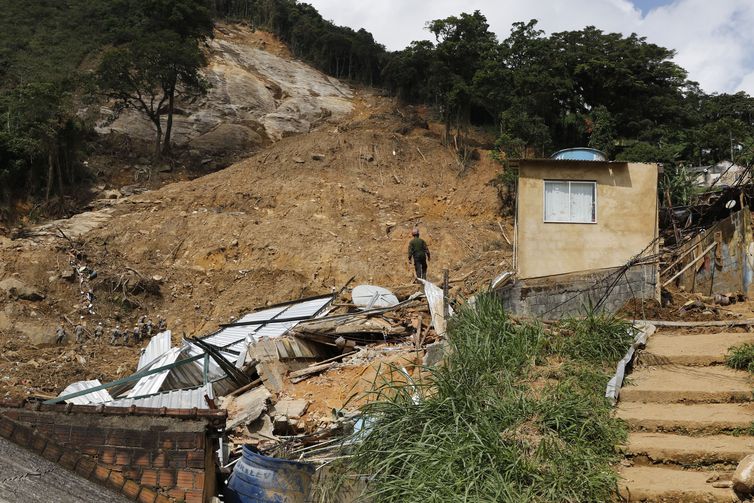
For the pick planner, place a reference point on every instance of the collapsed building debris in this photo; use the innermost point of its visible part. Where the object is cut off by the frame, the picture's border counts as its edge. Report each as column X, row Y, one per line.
column 244, row 370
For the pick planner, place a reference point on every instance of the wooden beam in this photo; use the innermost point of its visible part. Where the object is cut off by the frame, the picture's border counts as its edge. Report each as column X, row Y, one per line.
column 697, row 259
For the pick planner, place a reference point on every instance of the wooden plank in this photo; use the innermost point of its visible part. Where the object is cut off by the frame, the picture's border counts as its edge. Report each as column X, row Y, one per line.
column 711, row 323
column 690, row 264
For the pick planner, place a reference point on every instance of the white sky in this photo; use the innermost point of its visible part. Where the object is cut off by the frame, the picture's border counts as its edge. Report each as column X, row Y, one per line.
column 714, row 39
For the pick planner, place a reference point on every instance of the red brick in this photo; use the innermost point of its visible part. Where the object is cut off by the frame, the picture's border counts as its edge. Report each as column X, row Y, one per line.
column 150, row 440
column 199, row 481
column 185, row 479
column 178, row 459
column 62, row 433
column 107, row 455
column 69, row 459
column 163, row 499
column 13, row 414
column 195, row 459
column 101, row 473
column 194, row 497
column 183, row 440
column 131, row 489
column 85, row 467
column 141, row 458
column 38, row 443
column 122, row 457
column 160, row 460
column 132, row 473
column 92, row 452
column 166, row 478
column 147, row 495
column 116, row 480
column 149, row 478
column 6, row 427
column 52, row 452
column 21, row 436
column 177, row 494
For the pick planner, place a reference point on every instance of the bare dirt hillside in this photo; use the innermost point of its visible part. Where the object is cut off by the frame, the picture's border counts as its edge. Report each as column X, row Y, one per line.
column 300, row 217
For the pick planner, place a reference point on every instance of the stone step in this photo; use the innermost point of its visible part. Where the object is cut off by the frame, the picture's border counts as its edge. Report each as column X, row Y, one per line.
column 697, row 418
column 701, row 349
column 689, row 451
column 669, row 485
column 681, row 383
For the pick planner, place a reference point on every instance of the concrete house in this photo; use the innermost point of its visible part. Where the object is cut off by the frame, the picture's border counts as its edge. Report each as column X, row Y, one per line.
column 586, row 231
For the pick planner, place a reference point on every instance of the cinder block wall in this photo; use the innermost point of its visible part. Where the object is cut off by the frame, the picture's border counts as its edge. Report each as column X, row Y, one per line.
column 149, row 455
column 568, row 295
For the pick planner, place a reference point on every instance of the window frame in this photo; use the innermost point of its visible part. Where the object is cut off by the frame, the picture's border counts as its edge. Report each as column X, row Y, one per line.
column 569, row 182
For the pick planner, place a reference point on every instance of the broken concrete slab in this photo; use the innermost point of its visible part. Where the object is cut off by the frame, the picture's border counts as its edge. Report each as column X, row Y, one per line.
column 247, row 408
column 17, row 289
column 290, row 408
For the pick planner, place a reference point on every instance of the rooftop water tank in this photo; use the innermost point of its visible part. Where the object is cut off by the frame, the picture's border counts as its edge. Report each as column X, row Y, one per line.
column 579, row 154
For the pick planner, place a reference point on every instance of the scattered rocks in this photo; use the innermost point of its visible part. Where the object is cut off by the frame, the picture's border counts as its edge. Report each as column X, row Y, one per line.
column 291, row 408
column 298, row 160
column 17, row 289
column 318, row 157
column 743, row 478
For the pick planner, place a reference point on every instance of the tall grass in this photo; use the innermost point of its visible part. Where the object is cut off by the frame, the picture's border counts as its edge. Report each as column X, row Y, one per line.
column 488, row 428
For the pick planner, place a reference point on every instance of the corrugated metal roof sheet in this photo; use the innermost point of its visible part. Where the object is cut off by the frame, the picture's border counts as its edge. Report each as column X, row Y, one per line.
column 151, row 384
column 90, row 398
column 174, row 399
column 236, row 339
column 158, row 346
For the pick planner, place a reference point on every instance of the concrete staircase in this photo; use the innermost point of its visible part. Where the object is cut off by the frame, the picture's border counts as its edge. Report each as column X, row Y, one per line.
column 689, row 417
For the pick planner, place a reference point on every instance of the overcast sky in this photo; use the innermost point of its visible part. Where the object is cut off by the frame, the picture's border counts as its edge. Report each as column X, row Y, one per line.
column 714, row 39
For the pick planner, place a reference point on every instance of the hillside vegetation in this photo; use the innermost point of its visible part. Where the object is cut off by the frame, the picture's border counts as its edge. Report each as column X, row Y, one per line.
column 534, row 92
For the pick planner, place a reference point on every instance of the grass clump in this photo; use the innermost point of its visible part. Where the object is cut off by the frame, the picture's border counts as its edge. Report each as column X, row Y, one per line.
column 741, row 357
column 596, row 337
column 487, row 427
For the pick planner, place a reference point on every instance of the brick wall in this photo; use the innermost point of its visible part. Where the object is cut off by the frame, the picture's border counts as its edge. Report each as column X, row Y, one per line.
column 569, row 294
column 147, row 454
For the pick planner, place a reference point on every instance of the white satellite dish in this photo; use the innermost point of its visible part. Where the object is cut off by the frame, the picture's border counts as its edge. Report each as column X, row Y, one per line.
column 370, row 296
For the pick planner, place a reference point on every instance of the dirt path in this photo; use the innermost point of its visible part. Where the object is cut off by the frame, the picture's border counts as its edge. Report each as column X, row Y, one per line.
column 690, row 419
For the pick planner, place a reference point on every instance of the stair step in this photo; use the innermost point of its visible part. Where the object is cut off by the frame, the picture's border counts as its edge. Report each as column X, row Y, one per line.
column 699, row 418
column 700, row 349
column 690, row 451
column 680, row 383
column 669, row 485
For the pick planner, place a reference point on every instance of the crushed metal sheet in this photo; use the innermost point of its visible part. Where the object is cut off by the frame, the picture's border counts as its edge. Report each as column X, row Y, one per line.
column 236, row 339
column 158, row 346
column 174, row 399
column 644, row 331
column 369, row 296
column 151, row 384
column 435, row 299
column 100, row 396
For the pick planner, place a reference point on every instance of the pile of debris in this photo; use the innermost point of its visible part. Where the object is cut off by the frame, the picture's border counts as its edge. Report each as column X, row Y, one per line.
column 247, row 367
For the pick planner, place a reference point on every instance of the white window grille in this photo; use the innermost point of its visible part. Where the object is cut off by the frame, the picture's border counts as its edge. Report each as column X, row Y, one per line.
column 570, row 202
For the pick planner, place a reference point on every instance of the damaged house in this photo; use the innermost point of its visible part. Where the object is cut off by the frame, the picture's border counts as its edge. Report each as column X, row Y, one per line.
column 586, row 235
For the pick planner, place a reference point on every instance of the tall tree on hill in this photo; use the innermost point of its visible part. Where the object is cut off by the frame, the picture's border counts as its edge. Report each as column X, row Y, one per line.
column 160, row 61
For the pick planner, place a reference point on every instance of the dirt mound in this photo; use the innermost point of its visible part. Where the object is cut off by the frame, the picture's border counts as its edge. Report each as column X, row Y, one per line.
column 299, row 218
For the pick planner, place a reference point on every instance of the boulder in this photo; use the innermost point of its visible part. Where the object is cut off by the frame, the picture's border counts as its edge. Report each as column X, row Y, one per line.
column 743, row 478
column 17, row 289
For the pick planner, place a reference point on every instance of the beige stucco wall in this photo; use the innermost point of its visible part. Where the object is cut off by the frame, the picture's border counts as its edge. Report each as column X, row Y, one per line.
column 626, row 217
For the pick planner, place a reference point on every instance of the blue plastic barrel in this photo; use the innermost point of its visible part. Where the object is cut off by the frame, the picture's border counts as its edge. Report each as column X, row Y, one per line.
column 262, row 479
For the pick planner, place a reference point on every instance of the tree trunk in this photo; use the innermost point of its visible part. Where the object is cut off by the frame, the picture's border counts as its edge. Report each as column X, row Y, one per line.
column 169, row 127
column 158, row 139
column 50, row 174
column 60, row 173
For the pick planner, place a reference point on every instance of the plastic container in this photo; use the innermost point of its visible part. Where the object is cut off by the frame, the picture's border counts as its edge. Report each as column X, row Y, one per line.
column 262, row 479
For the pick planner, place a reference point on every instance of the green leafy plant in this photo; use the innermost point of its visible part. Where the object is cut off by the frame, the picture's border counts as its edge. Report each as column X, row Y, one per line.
column 741, row 357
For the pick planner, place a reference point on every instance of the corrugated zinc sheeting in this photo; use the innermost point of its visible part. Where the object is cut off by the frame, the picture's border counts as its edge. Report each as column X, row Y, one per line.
column 174, row 399
column 192, row 374
column 236, row 339
column 158, row 346
column 151, row 384
column 93, row 397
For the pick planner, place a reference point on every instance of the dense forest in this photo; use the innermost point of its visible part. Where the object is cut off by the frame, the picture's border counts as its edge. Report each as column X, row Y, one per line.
column 536, row 92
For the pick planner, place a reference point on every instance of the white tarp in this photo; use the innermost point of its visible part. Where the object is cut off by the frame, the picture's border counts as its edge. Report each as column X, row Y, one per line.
column 370, row 296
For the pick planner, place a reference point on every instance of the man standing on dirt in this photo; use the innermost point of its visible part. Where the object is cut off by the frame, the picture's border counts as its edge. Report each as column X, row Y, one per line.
column 60, row 334
column 419, row 253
